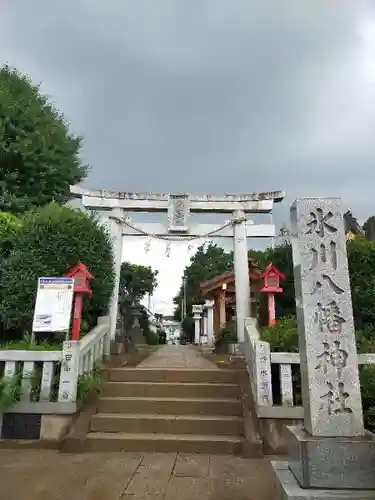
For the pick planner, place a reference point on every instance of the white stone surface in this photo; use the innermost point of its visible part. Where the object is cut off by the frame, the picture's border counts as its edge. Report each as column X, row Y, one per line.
column 204, row 335
column 26, row 384
column 289, row 489
column 329, row 363
column 252, row 202
column 263, row 381
column 252, row 329
column 241, row 273
column 197, row 319
column 9, row 355
column 178, row 212
column 69, row 372
column 10, row 369
column 46, row 382
column 116, row 236
column 195, row 230
column 286, row 384
column 210, row 321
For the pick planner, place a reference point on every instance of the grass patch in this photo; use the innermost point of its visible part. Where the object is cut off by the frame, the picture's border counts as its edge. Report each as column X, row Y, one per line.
column 89, row 384
column 26, row 345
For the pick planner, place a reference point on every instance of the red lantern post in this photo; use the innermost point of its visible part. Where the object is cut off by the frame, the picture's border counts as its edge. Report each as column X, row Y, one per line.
column 82, row 278
column 271, row 285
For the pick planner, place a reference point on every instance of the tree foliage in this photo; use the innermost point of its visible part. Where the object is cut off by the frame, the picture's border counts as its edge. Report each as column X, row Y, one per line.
column 51, row 241
column 137, row 281
column 369, row 228
column 283, row 337
column 361, row 257
column 9, row 225
column 209, row 261
column 39, row 157
column 188, row 329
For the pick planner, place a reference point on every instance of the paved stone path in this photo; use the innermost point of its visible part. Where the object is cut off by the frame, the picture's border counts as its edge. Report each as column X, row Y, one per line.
column 177, row 356
column 49, row 475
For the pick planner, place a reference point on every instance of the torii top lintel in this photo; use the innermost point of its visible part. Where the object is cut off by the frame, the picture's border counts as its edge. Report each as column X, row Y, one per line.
column 156, row 202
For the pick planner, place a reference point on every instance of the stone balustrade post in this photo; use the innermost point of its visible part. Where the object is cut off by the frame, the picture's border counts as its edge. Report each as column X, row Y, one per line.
column 210, row 321
column 197, row 314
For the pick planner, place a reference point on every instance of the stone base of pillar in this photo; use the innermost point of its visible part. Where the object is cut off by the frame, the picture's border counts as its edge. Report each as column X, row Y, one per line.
column 288, row 488
column 117, row 347
column 331, row 462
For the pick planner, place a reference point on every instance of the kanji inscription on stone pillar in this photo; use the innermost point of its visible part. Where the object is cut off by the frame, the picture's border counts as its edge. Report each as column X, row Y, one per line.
column 329, row 363
column 178, row 212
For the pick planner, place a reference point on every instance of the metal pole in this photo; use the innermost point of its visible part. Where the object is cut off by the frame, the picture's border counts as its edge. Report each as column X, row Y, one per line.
column 184, row 298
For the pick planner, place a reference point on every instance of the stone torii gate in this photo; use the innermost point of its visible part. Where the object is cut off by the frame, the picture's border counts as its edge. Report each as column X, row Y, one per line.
column 177, row 227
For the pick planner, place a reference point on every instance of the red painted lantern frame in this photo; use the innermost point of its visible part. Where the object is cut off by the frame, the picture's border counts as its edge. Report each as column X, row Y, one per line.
column 82, row 279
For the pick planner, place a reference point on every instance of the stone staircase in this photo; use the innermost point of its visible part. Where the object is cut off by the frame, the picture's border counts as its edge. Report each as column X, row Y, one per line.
column 168, row 410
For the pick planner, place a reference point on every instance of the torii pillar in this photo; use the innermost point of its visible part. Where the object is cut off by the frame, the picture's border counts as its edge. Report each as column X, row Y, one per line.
column 241, row 273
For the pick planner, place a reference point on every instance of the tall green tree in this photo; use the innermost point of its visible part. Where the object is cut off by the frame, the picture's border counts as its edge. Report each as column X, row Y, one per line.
column 361, row 257
column 39, row 156
column 9, row 225
column 137, row 281
column 209, row 261
column 369, row 228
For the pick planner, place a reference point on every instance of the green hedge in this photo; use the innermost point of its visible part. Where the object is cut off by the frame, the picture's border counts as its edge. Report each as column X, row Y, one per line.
column 228, row 333
column 50, row 242
column 283, row 337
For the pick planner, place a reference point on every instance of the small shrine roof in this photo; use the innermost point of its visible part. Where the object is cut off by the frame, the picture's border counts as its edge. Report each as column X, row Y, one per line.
column 228, row 277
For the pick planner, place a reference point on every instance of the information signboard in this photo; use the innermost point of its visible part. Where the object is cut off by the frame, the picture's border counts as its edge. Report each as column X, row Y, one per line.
column 53, row 305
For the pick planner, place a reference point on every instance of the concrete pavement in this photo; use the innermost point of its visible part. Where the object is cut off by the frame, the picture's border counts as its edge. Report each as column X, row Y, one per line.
column 49, row 475
column 177, row 356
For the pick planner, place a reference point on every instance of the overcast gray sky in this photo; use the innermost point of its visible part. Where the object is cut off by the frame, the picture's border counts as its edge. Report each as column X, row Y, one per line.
column 210, row 96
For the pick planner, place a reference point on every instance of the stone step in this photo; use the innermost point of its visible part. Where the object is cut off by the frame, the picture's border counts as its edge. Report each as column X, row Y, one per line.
column 167, row 424
column 172, row 375
column 171, row 390
column 163, row 443
column 171, row 406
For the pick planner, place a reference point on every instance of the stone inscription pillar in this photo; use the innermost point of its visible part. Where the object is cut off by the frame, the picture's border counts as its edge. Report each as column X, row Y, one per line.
column 329, row 364
column 331, row 455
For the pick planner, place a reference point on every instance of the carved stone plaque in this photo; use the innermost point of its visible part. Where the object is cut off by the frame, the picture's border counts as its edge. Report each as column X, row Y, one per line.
column 21, row 426
column 329, row 363
column 178, row 212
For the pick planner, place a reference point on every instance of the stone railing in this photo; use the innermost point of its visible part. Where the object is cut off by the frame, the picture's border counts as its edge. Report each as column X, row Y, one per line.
column 49, row 379
column 277, row 396
column 94, row 346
